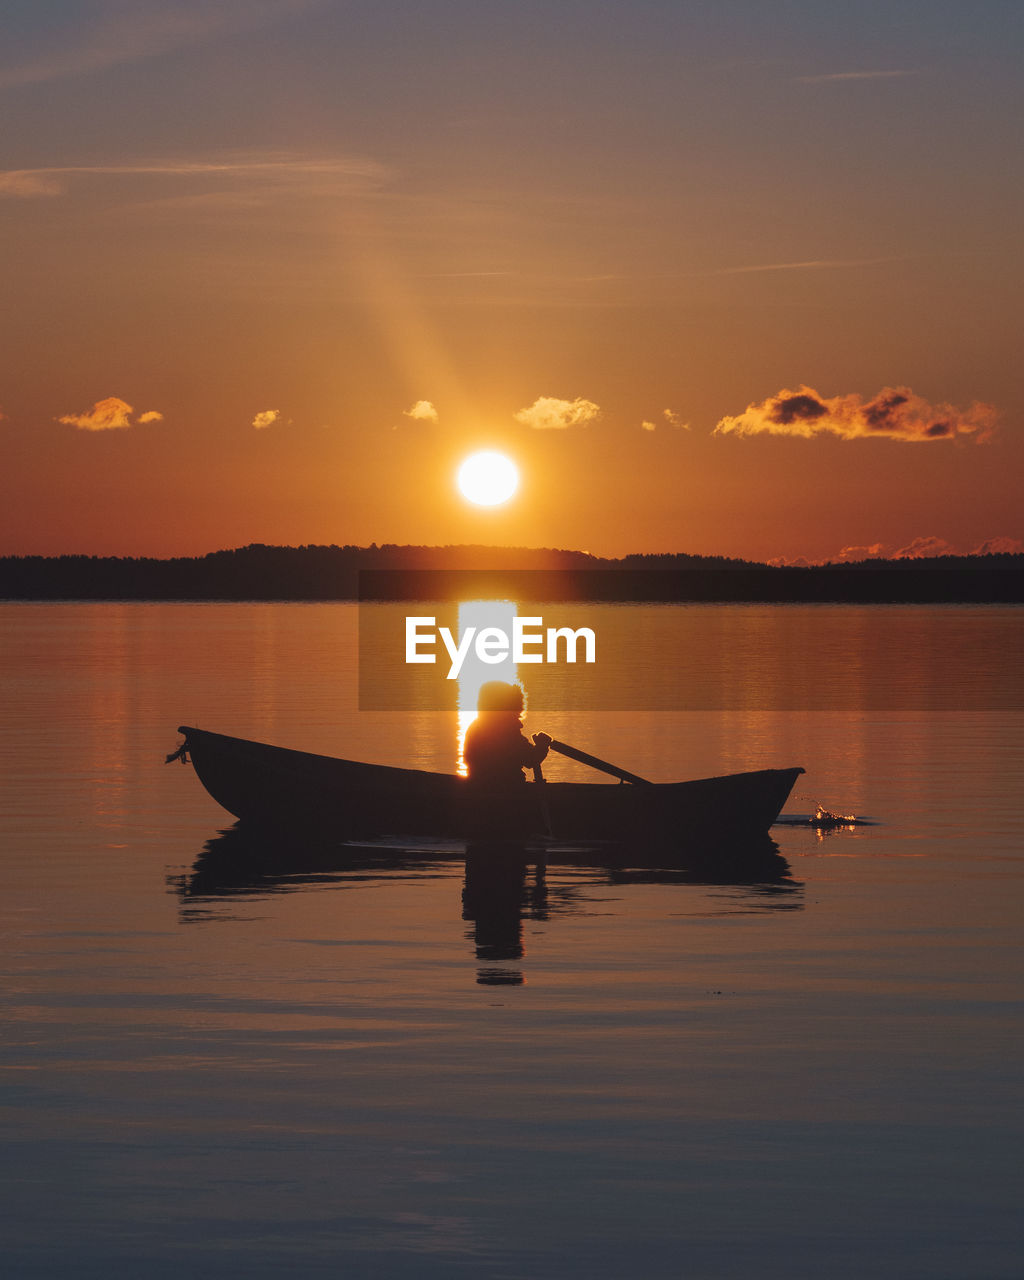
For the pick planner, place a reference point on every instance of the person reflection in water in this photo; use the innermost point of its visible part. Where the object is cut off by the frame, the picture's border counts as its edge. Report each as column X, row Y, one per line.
column 496, row 750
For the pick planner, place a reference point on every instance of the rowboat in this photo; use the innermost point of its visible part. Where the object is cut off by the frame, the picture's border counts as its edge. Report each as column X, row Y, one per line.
column 270, row 787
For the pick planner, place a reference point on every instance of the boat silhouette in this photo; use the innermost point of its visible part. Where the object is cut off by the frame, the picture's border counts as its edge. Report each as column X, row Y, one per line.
column 272, row 787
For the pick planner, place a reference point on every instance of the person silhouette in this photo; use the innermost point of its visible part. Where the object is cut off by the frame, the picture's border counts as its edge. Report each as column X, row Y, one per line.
column 496, row 750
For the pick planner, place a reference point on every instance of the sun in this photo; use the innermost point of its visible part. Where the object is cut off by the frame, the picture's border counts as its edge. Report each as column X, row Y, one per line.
column 487, row 478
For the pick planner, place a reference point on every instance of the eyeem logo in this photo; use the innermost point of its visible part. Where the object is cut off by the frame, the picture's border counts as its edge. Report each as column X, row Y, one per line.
column 494, row 645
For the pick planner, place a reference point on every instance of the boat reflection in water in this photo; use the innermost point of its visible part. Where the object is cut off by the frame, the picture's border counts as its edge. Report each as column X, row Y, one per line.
column 498, row 894
column 504, row 884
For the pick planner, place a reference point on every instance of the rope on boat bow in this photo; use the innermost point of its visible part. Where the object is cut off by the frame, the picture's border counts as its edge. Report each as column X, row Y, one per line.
column 181, row 754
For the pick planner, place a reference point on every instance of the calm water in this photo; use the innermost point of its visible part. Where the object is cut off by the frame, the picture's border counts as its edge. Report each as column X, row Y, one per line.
column 325, row 1069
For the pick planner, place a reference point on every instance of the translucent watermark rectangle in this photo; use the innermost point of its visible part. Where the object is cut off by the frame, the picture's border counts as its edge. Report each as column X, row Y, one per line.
column 686, row 656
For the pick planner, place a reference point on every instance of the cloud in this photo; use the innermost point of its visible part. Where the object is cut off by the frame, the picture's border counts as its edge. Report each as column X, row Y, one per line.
column 999, row 547
column 812, row 264
column 895, row 413
column 873, row 551
column 124, row 33
column 548, row 413
column 920, row 548
column 422, row 411
column 112, row 414
column 266, row 418
column 835, row 76
column 28, row 184
column 924, row 549
column 671, row 419
column 262, row 170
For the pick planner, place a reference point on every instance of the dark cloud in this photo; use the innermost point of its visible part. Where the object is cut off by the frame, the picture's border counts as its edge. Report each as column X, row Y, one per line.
column 799, row 408
column 895, row 413
column 878, row 413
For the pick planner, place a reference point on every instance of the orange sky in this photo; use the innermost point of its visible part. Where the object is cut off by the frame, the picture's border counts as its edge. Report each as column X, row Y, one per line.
column 313, row 217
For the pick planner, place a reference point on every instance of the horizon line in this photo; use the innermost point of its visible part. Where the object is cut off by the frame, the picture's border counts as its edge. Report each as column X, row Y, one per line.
column 800, row 562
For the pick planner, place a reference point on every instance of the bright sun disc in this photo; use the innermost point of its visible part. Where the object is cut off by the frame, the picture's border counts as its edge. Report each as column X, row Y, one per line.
column 488, row 478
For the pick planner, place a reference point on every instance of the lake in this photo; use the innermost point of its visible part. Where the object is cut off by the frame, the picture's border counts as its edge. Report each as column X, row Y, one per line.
column 345, row 1067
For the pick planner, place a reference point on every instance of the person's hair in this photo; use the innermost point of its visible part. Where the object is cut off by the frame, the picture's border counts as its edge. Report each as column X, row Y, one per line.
column 497, row 695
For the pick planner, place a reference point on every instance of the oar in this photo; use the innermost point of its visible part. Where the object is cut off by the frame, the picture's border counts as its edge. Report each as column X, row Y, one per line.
column 545, row 812
column 574, row 754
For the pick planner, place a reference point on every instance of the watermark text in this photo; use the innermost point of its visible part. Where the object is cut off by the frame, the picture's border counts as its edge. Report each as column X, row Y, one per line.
column 530, row 641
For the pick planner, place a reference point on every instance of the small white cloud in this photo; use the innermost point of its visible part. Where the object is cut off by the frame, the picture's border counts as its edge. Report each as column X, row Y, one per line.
column 422, row 411
column 111, row 414
column 670, row 419
column 549, row 413
column 266, row 418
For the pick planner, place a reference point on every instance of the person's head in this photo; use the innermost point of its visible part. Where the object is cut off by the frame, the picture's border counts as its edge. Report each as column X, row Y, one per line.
column 497, row 696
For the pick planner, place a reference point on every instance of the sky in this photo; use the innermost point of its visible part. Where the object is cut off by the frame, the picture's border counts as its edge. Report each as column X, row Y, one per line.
column 739, row 277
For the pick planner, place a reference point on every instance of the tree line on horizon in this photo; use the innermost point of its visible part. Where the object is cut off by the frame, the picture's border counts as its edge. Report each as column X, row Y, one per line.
column 316, row 572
